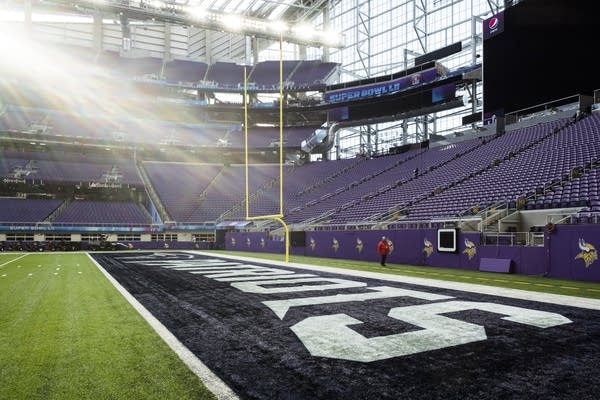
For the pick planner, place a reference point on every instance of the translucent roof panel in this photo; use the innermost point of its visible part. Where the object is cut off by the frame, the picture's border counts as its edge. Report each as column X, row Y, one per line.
column 270, row 9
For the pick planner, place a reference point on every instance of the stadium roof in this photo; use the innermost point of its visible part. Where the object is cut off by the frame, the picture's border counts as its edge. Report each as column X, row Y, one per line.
column 290, row 10
column 268, row 19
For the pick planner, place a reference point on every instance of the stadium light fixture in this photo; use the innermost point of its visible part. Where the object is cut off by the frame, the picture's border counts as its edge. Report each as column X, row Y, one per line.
column 331, row 38
column 232, row 22
column 303, row 31
column 279, row 26
column 197, row 13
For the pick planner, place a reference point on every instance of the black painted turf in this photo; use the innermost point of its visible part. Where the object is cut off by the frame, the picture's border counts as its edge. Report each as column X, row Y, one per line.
column 259, row 357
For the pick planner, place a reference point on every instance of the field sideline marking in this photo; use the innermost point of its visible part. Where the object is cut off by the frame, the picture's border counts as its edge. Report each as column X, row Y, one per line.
column 13, row 260
column 212, row 382
column 551, row 298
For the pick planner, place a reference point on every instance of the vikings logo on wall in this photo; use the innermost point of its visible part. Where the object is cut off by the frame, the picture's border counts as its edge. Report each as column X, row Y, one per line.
column 248, row 242
column 588, row 253
column 428, row 249
column 262, row 242
column 312, row 244
column 471, row 250
column 359, row 245
column 233, row 241
column 335, row 245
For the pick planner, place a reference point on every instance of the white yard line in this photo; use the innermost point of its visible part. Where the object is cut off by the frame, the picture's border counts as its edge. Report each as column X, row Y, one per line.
column 212, row 382
column 563, row 300
column 13, row 260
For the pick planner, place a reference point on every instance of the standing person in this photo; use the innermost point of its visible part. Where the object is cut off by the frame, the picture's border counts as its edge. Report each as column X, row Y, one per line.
column 383, row 248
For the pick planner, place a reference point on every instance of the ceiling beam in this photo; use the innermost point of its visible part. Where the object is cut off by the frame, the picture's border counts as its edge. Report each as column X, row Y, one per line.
column 183, row 15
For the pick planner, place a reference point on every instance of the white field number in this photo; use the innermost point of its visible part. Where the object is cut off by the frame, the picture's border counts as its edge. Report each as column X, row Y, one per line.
column 330, row 335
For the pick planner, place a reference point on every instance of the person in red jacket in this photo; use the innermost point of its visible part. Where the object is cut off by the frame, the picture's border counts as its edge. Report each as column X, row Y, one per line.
column 383, row 248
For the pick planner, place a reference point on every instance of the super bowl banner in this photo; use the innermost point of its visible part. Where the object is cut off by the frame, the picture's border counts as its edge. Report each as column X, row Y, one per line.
column 382, row 88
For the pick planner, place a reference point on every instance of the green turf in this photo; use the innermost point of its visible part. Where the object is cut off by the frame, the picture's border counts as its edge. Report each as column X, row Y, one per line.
column 66, row 333
column 533, row 283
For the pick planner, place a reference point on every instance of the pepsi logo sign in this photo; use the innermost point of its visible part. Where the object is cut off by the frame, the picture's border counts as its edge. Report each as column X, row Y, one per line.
column 493, row 23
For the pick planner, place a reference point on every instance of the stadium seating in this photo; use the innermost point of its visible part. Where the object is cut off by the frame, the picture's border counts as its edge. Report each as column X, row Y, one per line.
column 56, row 123
column 227, row 191
column 311, row 72
column 468, row 158
column 179, row 186
column 184, row 71
column 101, row 212
column 265, row 136
column 538, row 166
column 266, row 74
column 76, row 167
column 26, row 210
column 129, row 67
column 575, row 151
column 7, row 165
column 550, row 165
column 228, row 75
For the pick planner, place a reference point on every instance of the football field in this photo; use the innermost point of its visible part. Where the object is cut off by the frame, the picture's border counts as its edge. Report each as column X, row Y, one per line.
column 136, row 324
column 66, row 333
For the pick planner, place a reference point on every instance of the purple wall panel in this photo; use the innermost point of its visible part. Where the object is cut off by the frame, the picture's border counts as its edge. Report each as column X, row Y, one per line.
column 467, row 257
column 255, row 241
column 162, row 245
column 408, row 246
column 526, row 260
column 567, row 259
column 562, row 256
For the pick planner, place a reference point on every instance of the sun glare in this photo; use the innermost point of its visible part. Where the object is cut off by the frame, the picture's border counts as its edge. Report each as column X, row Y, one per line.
column 67, row 78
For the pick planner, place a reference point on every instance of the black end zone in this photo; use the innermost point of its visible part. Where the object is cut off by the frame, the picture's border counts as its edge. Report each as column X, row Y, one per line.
column 261, row 356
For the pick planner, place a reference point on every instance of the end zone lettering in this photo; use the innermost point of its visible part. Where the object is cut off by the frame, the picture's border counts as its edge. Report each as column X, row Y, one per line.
column 331, row 336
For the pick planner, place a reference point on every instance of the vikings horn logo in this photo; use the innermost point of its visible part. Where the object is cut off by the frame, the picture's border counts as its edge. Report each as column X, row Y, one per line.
column 335, row 245
column 262, row 242
column 248, row 242
column 359, row 245
column 588, row 253
column 233, row 241
column 428, row 249
column 312, row 244
column 471, row 250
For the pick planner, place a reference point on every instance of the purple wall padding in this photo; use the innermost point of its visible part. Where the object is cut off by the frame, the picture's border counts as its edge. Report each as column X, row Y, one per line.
column 162, row 245
column 495, row 264
column 409, row 247
column 567, row 259
column 525, row 260
column 560, row 257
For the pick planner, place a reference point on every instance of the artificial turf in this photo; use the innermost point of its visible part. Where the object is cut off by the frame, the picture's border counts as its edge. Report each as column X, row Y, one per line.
column 66, row 333
column 315, row 350
column 533, row 283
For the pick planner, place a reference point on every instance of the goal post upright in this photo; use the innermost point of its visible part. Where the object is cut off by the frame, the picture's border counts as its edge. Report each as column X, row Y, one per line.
column 274, row 217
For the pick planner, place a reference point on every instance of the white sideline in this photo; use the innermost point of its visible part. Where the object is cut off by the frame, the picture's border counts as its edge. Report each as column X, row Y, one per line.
column 13, row 260
column 212, row 382
column 560, row 299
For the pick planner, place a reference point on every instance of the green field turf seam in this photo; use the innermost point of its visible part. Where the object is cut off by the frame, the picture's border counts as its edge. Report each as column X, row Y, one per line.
column 210, row 380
